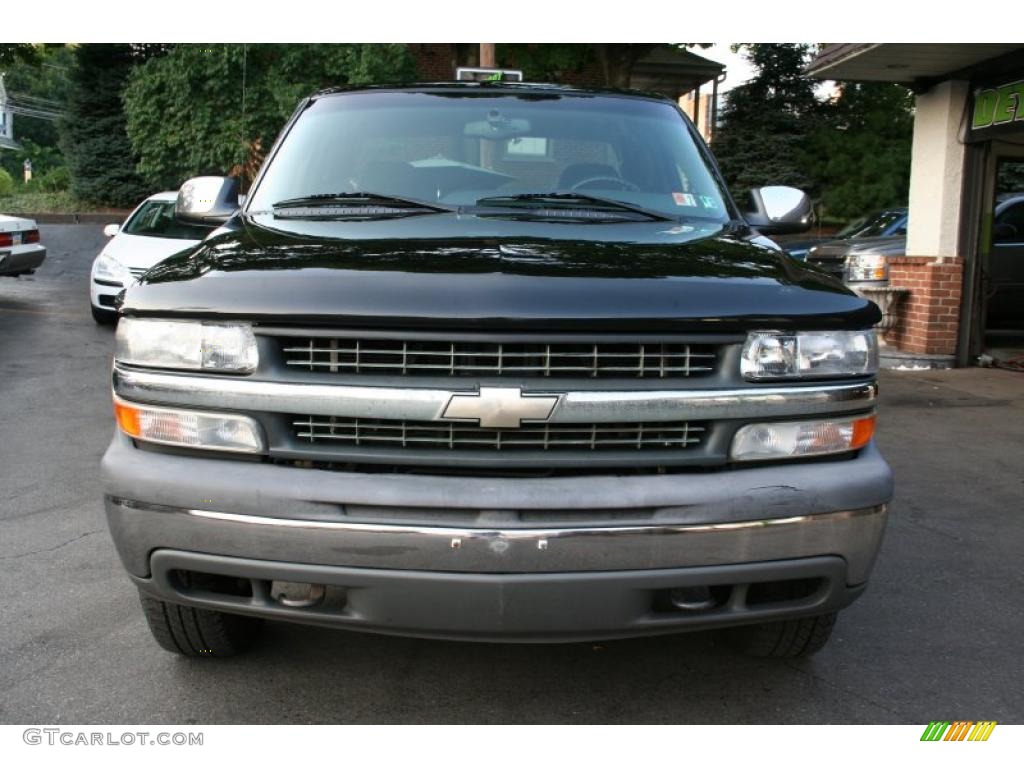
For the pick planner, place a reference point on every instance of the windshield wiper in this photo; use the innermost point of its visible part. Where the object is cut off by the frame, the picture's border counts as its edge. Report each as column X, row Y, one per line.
column 570, row 201
column 355, row 204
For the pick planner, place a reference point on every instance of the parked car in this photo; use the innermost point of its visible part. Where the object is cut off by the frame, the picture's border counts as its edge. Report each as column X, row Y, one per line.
column 494, row 361
column 883, row 232
column 148, row 236
column 1004, row 281
column 891, row 222
column 863, row 263
column 21, row 253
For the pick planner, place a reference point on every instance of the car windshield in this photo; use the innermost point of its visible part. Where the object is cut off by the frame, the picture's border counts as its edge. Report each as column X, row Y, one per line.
column 874, row 225
column 458, row 147
column 155, row 218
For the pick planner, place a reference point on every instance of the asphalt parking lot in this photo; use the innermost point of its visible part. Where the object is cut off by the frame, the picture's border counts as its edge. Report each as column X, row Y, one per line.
column 937, row 635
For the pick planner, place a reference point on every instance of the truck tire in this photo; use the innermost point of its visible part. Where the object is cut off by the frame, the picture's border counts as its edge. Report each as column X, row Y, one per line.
column 788, row 639
column 198, row 631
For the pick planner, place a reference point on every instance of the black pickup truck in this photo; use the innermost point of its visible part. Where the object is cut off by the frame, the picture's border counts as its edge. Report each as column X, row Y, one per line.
column 494, row 361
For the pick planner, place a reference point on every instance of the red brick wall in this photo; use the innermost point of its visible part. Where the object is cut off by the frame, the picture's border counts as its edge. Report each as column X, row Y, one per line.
column 435, row 62
column 929, row 315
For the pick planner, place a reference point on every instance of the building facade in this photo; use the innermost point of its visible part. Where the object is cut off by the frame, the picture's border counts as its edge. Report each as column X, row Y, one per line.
column 961, row 282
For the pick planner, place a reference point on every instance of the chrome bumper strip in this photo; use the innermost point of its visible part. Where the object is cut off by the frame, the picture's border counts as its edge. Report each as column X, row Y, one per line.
column 421, row 404
column 140, row 528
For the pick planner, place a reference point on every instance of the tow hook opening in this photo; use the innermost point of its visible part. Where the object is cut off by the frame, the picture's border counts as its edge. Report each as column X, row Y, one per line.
column 706, row 598
column 293, row 594
column 692, row 598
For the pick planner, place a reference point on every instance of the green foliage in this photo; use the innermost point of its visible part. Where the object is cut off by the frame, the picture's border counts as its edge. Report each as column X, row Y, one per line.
column 851, row 154
column 187, row 115
column 54, row 180
column 766, row 122
column 6, row 183
column 30, row 203
column 40, row 79
column 93, row 136
column 546, row 62
column 860, row 154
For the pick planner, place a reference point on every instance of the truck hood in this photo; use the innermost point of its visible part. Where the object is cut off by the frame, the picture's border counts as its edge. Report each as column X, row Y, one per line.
column 448, row 271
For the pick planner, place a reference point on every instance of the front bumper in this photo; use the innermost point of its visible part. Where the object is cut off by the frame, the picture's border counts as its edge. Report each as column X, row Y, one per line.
column 21, row 258
column 495, row 558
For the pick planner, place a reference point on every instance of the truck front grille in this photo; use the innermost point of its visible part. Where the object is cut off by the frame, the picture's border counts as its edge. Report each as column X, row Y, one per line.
column 451, row 436
column 405, row 357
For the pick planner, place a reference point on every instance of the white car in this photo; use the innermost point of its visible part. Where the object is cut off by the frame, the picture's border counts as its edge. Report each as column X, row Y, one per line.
column 20, row 250
column 148, row 236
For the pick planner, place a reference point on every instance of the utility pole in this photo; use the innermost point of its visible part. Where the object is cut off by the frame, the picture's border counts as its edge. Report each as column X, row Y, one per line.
column 487, row 55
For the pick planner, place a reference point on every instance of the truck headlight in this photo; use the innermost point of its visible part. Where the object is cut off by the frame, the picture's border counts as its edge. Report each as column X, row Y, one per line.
column 186, row 344
column 866, row 266
column 797, row 439
column 111, row 270
column 809, row 354
column 189, row 429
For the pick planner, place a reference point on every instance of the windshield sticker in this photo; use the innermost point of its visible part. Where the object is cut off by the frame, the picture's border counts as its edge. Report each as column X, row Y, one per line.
column 708, row 202
column 683, row 198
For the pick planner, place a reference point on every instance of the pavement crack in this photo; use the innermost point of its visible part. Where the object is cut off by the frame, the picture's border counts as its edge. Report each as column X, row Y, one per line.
column 53, row 548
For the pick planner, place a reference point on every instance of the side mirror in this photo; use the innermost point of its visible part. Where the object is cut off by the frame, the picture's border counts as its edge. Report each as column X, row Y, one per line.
column 207, row 200
column 779, row 210
column 111, row 229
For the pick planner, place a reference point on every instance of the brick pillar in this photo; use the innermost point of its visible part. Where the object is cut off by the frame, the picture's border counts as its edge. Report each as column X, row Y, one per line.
column 929, row 315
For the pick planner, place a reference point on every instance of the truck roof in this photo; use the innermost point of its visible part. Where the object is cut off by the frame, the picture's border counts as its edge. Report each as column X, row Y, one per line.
column 495, row 87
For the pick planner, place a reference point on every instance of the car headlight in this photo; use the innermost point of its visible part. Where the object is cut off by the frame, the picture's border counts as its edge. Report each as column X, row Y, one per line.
column 186, row 344
column 111, row 270
column 809, row 354
column 797, row 439
column 866, row 266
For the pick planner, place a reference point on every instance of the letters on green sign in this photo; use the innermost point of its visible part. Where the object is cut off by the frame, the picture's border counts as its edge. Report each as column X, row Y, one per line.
column 998, row 106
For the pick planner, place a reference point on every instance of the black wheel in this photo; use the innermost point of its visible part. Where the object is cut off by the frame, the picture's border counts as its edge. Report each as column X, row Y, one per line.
column 783, row 639
column 198, row 631
column 103, row 316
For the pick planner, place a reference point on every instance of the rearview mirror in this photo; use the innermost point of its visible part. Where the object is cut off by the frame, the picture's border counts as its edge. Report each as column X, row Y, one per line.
column 207, row 200
column 111, row 229
column 779, row 210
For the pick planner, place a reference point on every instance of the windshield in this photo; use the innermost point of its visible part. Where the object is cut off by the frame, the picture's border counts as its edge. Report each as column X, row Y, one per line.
column 457, row 148
column 155, row 218
column 875, row 225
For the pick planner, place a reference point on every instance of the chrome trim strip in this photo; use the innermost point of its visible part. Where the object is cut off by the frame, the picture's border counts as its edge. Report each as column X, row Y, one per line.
column 140, row 527
column 421, row 404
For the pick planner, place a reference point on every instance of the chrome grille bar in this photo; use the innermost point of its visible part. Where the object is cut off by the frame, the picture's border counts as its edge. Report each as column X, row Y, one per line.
column 425, row 404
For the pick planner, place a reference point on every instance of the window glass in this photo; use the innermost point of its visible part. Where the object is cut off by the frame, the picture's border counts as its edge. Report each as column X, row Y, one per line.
column 155, row 218
column 457, row 147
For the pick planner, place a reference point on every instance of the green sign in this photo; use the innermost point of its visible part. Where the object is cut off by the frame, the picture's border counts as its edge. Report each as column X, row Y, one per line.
column 996, row 109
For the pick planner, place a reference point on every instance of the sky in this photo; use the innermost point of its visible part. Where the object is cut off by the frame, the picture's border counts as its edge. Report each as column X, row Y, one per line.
column 737, row 70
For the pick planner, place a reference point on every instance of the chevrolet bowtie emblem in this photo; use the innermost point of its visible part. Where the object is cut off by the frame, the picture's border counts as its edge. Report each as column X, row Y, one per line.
column 500, row 407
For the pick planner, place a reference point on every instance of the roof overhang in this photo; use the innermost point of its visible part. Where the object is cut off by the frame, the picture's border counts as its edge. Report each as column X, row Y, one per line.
column 673, row 71
column 909, row 63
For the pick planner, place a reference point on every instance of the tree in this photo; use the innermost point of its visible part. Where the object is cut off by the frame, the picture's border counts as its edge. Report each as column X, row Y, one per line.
column 860, row 153
column 766, row 122
column 39, row 82
column 93, row 136
column 216, row 109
